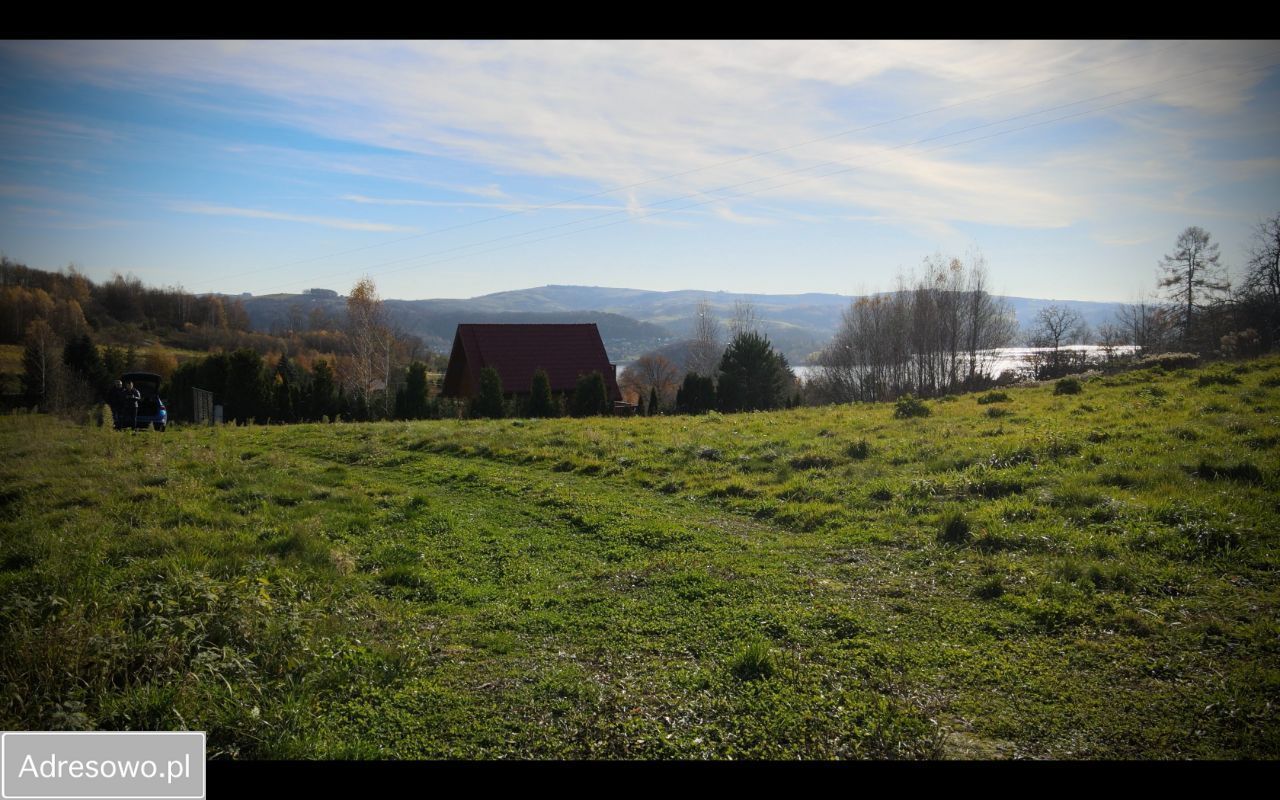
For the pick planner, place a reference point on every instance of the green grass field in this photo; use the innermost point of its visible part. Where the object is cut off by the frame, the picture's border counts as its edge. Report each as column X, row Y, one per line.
column 1087, row 575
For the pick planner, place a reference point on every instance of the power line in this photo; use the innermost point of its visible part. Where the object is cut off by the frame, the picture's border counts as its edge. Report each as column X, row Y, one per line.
column 671, row 176
column 714, row 199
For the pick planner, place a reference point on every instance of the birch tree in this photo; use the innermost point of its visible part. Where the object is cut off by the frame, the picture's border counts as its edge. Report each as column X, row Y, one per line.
column 371, row 339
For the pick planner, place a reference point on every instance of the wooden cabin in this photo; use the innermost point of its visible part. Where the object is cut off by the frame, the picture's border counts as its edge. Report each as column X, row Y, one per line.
column 517, row 351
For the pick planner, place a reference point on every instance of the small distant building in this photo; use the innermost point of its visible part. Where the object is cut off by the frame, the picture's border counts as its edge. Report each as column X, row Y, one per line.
column 517, row 351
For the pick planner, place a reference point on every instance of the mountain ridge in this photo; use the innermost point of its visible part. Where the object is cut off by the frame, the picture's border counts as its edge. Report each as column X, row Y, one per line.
column 632, row 321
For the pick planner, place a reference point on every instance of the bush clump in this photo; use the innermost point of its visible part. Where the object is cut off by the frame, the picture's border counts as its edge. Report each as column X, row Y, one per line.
column 858, row 450
column 1169, row 360
column 409, row 578
column 710, row 454
column 990, row 589
column 1207, row 540
column 754, row 662
column 1217, row 379
column 993, row 397
column 881, row 493
column 1068, row 386
column 811, row 462
column 908, row 406
column 955, row 528
column 1242, row 471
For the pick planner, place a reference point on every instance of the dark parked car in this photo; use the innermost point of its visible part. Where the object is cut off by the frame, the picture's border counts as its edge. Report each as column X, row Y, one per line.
column 151, row 410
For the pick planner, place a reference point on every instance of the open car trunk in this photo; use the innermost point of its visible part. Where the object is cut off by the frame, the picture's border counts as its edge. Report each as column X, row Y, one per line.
column 150, row 405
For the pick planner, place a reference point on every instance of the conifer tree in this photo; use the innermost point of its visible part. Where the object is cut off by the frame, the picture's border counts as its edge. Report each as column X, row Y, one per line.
column 590, row 398
column 541, row 404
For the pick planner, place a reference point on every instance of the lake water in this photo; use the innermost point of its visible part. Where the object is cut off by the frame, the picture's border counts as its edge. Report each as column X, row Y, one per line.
column 1005, row 358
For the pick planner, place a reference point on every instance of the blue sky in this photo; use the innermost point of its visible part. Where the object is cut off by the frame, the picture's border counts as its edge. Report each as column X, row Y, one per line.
column 452, row 169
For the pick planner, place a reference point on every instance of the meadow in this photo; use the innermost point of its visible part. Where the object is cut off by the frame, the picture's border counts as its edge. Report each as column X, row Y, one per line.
column 1026, row 573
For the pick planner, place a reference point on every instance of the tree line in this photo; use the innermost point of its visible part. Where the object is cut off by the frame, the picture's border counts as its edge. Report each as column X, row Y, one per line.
column 934, row 334
column 745, row 374
column 133, row 327
column 367, row 380
column 1198, row 309
column 1195, row 308
column 589, row 398
column 72, row 305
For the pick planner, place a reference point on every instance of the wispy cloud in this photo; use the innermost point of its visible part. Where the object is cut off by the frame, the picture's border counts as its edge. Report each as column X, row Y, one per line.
column 256, row 213
column 492, row 190
column 727, row 214
column 921, row 140
column 510, row 206
column 41, row 193
column 652, row 109
column 1122, row 241
column 58, row 219
column 42, row 126
column 78, row 164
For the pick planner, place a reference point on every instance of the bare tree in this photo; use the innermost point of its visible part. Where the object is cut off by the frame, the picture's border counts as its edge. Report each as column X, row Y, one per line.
column 42, row 366
column 990, row 324
column 1262, row 275
column 371, row 339
column 1146, row 325
column 1111, row 337
column 931, row 335
column 706, row 347
column 744, row 319
column 1054, row 327
column 650, row 372
column 1192, row 275
column 860, row 362
column 1255, row 306
column 1058, row 325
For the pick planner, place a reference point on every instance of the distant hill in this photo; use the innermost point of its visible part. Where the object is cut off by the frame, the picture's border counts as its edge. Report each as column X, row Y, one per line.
column 1095, row 314
column 625, row 338
column 632, row 321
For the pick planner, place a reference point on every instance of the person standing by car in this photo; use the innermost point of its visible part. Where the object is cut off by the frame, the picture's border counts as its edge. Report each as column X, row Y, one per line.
column 131, row 398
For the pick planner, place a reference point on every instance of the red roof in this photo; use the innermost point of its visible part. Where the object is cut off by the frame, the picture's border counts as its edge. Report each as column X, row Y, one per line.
column 517, row 351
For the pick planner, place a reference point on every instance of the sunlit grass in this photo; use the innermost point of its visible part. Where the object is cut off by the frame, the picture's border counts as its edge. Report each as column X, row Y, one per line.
column 1082, row 575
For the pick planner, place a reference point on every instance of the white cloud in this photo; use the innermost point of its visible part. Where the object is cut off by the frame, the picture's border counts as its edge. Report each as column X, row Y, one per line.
column 508, row 206
column 41, row 193
column 43, row 127
column 254, row 213
column 614, row 114
column 727, row 214
column 1122, row 241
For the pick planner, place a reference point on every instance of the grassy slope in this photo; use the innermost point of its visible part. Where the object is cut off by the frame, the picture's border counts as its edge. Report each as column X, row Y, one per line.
column 765, row 585
column 11, row 357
